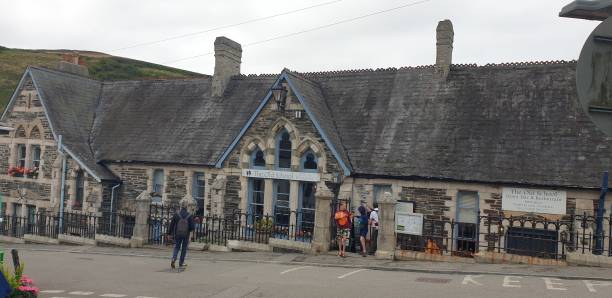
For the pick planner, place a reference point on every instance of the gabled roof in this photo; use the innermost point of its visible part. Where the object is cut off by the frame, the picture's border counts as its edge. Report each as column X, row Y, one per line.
column 511, row 123
column 69, row 102
column 311, row 98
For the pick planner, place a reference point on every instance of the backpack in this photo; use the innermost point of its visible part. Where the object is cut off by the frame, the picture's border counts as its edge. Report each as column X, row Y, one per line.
column 182, row 226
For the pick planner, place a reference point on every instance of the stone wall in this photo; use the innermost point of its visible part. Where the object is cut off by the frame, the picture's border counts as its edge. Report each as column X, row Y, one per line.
column 176, row 186
column 49, row 156
column 429, row 201
column 232, row 194
column 5, row 153
column 134, row 183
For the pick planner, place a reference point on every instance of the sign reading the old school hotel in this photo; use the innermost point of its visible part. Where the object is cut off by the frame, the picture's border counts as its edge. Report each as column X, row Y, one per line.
column 281, row 175
column 534, row 200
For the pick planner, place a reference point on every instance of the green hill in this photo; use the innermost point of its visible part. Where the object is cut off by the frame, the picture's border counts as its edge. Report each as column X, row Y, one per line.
column 13, row 63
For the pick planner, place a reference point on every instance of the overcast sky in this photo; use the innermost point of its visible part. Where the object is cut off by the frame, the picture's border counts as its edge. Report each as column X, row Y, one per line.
column 485, row 31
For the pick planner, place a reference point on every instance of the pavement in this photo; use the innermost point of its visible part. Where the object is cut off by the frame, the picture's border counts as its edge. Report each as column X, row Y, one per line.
column 84, row 271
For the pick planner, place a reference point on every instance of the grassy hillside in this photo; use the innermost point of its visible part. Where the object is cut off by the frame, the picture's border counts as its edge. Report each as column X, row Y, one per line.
column 13, row 63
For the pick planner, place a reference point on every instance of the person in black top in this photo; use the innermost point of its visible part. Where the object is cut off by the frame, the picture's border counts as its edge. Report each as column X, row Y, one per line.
column 180, row 228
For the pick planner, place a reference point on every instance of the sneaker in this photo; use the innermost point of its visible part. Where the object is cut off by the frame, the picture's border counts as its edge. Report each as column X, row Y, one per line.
column 172, row 265
column 183, row 266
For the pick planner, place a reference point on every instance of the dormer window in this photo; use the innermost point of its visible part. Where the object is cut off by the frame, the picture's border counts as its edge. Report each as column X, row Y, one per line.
column 283, row 150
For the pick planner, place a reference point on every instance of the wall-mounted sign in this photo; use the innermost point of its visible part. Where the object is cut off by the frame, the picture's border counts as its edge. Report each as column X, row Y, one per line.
column 534, row 200
column 282, row 175
column 404, row 206
column 409, row 223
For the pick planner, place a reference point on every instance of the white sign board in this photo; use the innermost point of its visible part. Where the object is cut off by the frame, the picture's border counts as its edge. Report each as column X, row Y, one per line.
column 404, row 207
column 282, row 175
column 409, row 223
column 534, row 200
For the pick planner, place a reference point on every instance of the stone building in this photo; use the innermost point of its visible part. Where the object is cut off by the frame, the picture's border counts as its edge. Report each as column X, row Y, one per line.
column 448, row 138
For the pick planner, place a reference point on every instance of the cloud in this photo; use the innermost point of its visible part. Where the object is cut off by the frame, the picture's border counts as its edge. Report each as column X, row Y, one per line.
column 485, row 31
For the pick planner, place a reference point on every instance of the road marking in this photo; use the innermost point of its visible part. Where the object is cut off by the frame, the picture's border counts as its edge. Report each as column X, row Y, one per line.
column 508, row 282
column 351, row 273
column 470, row 279
column 113, row 295
column 52, row 291
column 294, row 269
column 81, row 293
column 590, row 284
column 550, row 285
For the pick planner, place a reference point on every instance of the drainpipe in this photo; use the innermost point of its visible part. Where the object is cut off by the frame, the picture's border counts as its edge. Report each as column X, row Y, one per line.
column 63, row 184
column 110, row 214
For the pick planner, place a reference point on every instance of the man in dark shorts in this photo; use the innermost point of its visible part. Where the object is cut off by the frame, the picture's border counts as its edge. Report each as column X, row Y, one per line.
column 363, row 228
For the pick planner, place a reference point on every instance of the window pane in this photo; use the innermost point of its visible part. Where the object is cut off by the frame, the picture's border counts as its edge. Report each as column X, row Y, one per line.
column 80, row 189
column 256, row 197
column 310, row 162
column 35, row 156
column 467, row 207
column 379, row 191
column 308, row 197
column 158, row 181
column 21, row 155
column 258, row 159
column 284, row 151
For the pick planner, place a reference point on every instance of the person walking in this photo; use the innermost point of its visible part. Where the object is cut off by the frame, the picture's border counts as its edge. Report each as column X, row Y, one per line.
column 343, row 227
column 363, row 228
column 180, row 228
column 374, row 229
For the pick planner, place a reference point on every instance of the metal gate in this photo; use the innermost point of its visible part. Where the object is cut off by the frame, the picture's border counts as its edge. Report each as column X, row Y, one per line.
column 335, row 206
column 532, row 242
column 159, row 222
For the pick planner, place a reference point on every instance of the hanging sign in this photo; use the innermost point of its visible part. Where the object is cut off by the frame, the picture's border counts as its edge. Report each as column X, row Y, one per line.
column 409, row 223
column 534, row 200
column 282, row 175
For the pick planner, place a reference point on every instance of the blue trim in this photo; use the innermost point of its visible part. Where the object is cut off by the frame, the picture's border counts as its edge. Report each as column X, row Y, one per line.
column 13, row 98
column 347, row 171
column 244, row 128
column 283, row 75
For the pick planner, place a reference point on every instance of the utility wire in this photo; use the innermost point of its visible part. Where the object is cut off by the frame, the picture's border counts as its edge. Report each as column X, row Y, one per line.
column 308, row 30
column 223, row 27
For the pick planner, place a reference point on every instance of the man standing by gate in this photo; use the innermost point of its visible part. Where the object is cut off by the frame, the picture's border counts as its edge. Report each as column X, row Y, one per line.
column 181, row 227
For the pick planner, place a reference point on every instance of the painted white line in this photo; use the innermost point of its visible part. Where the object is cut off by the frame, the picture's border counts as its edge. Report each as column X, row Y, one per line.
column 351, row 273
column 294, row 269
column 113, row 295
column 53, row 291
column 81, row 293
column 590, row 284
column 470, row 279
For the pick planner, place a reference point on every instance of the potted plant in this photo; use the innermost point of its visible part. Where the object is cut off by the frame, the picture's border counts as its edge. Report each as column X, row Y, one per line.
column 21, row 285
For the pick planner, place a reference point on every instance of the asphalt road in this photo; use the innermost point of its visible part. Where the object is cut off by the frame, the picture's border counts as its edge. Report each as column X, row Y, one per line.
column 62, row 274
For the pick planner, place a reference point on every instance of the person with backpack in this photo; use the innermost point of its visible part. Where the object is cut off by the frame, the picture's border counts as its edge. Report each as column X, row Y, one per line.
column 343, row 228
column 180, row 228
column 362, row 222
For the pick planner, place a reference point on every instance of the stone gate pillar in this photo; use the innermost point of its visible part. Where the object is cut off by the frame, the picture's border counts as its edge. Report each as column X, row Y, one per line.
column 322, row 234
column 386, row 228
column 141, row 226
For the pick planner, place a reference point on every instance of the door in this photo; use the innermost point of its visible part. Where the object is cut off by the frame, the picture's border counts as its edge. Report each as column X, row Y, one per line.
column 466, row 229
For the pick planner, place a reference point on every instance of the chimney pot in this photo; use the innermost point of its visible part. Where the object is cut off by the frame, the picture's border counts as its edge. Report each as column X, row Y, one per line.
column 444, row 46
column 228, row 55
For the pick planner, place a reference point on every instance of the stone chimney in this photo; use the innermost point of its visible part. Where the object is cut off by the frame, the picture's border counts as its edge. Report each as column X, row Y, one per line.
column 444, row 46
column 71, row 63
column 228, row 55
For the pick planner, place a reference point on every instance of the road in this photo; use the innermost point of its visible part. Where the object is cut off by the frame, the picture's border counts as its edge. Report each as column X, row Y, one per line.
column 63, row 274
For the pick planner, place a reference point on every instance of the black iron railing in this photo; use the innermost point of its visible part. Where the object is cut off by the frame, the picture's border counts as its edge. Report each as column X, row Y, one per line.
column 116, row 224
column 79, row 224
column 521, row 235
column 13, row 226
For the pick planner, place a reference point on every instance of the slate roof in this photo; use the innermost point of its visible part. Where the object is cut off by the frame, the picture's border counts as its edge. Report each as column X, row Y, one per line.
column 512, row 123
column 70, row 102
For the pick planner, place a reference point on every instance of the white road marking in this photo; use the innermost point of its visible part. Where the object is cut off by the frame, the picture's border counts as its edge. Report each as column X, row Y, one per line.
column 81, row 293
column 590, row 284
column 351, row 273
column 113, row 295
column 53, row 291
column 294, row 269
column 508, row 282
column 550, row 285
column 470, row 279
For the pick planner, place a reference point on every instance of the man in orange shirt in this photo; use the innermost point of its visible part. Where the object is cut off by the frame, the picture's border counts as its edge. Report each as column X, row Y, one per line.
column 343, row 225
